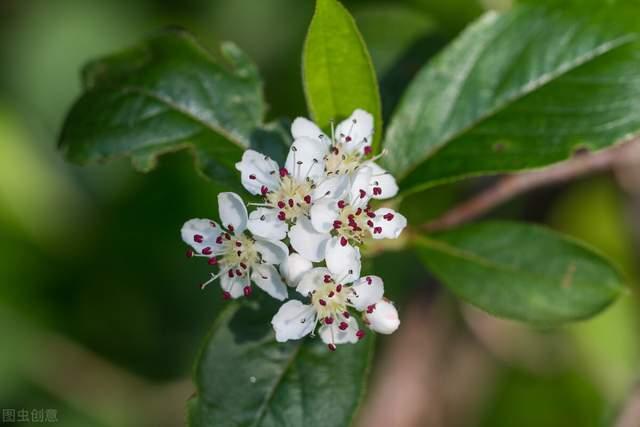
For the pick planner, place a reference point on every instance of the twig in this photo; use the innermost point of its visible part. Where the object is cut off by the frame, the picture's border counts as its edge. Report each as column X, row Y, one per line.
column 630, row 413
column 513, row 185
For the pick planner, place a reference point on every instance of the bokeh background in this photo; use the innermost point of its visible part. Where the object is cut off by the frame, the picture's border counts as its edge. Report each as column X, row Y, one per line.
column 101, row 315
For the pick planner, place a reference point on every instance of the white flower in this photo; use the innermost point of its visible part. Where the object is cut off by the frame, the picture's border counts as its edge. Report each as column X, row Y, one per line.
column 331, row 301
column 336, row 225
column 350, row 149
column 242, row 258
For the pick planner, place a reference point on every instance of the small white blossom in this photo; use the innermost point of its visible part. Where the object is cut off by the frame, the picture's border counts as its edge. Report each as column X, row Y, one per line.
column 242, row 258
column 331, row 299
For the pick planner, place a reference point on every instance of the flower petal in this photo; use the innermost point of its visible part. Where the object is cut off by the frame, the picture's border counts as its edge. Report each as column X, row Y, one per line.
column 200, row 233
column 360, row 193
column 234, row 285
column 268, row 279
column 355, row 132
column 264, row 222
column 387, row 224
column 334, row 187
column 294, row 267
column 306, row 159
column 342, row 261
column 384, row 318
column 256, row 171
column 308, row 242
column 293, row 321
column 323, row 214
column 271, row 251
column 232, row 211
column 382, row 185
column 311, row 280
column 305, row 128
column 332, row 334
column 366, row 291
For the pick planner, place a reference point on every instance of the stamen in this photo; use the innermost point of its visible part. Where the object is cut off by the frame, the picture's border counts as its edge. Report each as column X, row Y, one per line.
column 226, row 295
column 212, row 261
column 198, row 238
column 343, row 326
column 247, row 291
column 189, row 253
column 360, row 334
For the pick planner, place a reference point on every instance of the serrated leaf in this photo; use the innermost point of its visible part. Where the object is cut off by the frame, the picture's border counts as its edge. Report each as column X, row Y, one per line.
column 522, row 272
column 518, row 90
column 245, row 378
column 337, row 70
column 166, row 94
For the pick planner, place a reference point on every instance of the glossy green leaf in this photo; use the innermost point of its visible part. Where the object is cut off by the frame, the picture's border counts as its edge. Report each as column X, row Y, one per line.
column 337, row 70
column 522, row 272
column 518, row 90
column 163, row 95
column 245, row 378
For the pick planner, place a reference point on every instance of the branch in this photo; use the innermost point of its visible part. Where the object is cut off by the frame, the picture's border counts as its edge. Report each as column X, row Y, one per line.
column 514, row 185
column 630, row 413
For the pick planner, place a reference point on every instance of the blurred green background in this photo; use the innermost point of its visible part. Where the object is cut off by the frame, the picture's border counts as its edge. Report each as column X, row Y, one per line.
column 101, row 314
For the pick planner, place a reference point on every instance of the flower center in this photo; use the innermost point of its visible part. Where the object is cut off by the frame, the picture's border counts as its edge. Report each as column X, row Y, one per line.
column 353, row 225
column 292, row 199
column 340, row 162
column 238, row 254
column 330, row 300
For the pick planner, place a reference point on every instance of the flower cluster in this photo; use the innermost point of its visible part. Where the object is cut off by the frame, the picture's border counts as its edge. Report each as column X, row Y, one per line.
column 319, row 203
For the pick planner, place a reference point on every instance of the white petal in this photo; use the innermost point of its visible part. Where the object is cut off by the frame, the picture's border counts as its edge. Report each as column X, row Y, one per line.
column 311, row 280
column 293, row 321
column 264, row 222
column 268, row 279
column 323, row 214
column 294, row 267
column 384, row 318
column 366, row 291
column 343, row 261
column 356, row 132
column 232, row 211
column 382, row 185
column 256, row 171
column 200, row 233
column 308, row 242
column 306, row 159
column 272, row 251
column 332, row 334
column 360, row 193
column 387, row 224
column 234, row 285
column 334, row 187
column 305, row 128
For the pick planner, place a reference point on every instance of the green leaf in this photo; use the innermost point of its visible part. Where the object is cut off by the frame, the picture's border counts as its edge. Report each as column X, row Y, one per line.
column 523, row 272
column 518, row 90
column 245, row 378
column 163, row 95
column 337, row 70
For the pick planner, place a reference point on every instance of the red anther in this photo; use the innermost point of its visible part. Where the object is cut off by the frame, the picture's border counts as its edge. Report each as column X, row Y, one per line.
column 247, row 291
column 335, row 150
column 189, row 253
column 346, row 314
column 238, row 273
column 327, row 278
column 243, row 265
column 377, row 230
column 290, row 203
column 230, row 228
column 341, row 204
column 219, row 240
column 284, row 172
column 337, row 224
column 252, row 176
column 198, row 238
column 322, row 302
column 367, row 150
column 238, row 243
column 307, row 199
column 358, row 211
column 264, row 190
column 328, row 320
column 360, row 334
column 282, row 216
column 377, row 191
column 212, row 224
column 371, row 308
column 370, row 223
column 331, row 294
column 338, row 288
column 371, row 214
column 227, row 236
column 212, row 261
column 343, row 241
column 362, row 194
column 281, row 204
column 207, row 251
column 230, row 273
column 388, row 216
column 239, row 253
column 332, row 347
column 226, row 295
column 348, row 138
column 350, row 217
column 369, row 280
column 343, row 326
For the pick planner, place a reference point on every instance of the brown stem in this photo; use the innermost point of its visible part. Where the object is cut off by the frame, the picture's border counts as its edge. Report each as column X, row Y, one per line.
column 513, row 185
